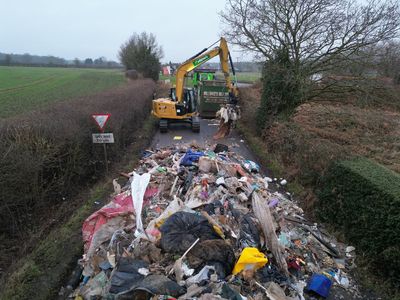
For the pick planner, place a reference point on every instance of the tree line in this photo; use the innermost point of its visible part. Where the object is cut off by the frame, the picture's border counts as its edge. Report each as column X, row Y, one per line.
column 26, row 59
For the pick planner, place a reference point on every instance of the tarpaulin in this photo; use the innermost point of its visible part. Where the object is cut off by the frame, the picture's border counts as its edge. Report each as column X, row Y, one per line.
column 121, row 205
column 191, row 157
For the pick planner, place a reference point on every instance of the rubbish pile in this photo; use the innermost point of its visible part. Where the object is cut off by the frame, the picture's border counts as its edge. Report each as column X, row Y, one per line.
column 196, row 223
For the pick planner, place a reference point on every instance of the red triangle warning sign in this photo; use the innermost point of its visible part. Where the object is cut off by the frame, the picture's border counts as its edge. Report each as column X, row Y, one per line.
column 101, row 120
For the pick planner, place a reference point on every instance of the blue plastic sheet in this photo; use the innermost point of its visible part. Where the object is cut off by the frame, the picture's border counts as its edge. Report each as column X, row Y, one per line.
column 191, row 157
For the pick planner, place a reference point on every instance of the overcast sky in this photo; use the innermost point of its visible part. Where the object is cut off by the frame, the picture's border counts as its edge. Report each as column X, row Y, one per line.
column 94, row 28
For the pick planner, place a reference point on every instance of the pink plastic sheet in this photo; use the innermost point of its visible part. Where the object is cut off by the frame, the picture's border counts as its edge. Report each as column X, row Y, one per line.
column 121, row 205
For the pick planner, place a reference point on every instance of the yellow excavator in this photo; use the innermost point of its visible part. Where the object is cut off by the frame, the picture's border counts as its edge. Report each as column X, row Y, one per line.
column 182, row 103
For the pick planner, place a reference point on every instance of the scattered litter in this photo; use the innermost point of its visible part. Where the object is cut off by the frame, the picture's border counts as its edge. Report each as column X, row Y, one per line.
column 180, row 268
column 267, row 179
column 203, row 274
column 221, row 148
column 144, row 271
column 177, row 138
column 117, row 186
column 220, row 181
column 273, row 202
column 249, row 235
column 251, row 166
column 205, row 224
column 275, row 292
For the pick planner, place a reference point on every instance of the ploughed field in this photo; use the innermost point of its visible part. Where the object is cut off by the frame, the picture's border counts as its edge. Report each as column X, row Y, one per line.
column 26, row 88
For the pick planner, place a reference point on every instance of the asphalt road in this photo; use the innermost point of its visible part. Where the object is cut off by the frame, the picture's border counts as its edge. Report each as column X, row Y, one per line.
column 179, row 133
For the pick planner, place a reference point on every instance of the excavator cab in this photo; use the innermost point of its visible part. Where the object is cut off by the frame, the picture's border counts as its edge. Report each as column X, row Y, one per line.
column 173, row 110
column 189, row 103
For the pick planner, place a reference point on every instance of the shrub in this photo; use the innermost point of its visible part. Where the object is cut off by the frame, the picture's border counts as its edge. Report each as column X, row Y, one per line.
column 132, row 74
column 282, row 89
column 362, row 199
column 48, row 156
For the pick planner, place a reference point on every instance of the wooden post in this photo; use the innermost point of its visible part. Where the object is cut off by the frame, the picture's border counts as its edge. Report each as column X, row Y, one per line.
column 105, row 156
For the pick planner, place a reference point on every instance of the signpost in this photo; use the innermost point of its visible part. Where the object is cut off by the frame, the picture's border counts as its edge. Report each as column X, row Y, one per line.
column 102, row 138
column 101, row 120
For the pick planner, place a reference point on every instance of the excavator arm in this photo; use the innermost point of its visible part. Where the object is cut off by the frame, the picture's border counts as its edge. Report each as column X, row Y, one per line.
column 199, row 59
column 175, row 108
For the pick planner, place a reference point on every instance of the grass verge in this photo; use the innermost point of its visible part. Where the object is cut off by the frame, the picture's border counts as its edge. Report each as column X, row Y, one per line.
column 269, row 160
column 371, row 281
column 40, row 274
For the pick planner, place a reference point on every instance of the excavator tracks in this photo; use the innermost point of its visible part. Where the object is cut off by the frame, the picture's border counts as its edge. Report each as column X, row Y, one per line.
column 163, row 124
column 195, row 124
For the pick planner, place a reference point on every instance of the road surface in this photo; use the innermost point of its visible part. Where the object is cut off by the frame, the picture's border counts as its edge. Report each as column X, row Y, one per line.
column 179, row 133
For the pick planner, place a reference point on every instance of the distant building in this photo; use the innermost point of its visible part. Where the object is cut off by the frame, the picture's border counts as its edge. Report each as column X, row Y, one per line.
column 166, row 70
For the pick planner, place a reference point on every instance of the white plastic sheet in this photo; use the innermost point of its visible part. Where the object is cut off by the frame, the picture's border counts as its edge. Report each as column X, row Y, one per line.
column 202, row 275
column 138, row 188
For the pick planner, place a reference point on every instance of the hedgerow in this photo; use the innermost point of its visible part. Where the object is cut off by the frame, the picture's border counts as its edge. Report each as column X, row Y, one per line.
column 362, row 199
column 48, row 156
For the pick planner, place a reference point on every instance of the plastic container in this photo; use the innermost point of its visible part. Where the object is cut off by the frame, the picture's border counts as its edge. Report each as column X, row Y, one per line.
column 319, row 284
column 250, row 258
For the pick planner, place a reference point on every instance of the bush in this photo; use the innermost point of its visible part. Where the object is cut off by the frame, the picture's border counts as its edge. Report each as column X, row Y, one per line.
column 282, row 89
column 48, row 156
column 362, row 199
column 132, row 74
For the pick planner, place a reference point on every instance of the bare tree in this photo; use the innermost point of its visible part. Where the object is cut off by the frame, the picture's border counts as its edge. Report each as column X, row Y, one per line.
column 319, row 35
column 388, row 59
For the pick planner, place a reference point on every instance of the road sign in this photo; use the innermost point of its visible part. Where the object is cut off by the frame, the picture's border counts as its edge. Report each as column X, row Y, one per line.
column 103, row 138
column 101, row 120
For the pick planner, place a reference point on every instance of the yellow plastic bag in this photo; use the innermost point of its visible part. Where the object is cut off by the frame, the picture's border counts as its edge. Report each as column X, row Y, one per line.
column 250, row 258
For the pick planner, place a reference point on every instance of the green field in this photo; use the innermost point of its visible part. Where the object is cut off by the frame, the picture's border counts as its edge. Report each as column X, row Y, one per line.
column 27, row 88
column 245, row 77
